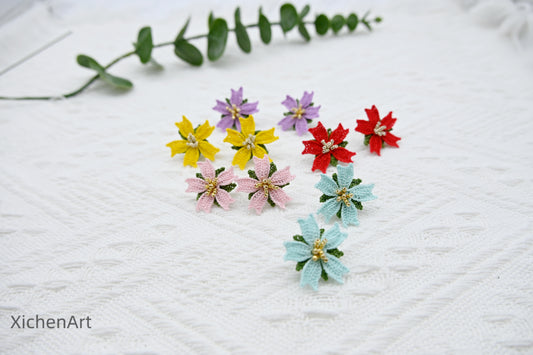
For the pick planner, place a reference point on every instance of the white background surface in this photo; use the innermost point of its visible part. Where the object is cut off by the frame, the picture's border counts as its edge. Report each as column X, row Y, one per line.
column 94, row 219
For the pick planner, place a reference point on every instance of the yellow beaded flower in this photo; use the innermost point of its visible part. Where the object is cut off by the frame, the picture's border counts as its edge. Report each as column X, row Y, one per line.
column 248, row 142
column 193, row 142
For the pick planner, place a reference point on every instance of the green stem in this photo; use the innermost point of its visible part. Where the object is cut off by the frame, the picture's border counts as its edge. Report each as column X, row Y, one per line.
column 115, row 61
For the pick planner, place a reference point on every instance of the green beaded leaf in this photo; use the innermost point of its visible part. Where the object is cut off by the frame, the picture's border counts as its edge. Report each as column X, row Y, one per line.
column 335, row 178
column 325, row 197
column 321, row 24
column 352, row 21
column 343, row 144
column 324, row 274
column 144, row 45
column 333, row 161
column 264, row 147
column 288, row 17
column 219, row 170
column 188, row 52
column 355, row 182
column 300, row 265
column 322, row 230
column 335, row 252
column 337, row 22
column 271, row 203
column 243, row 40
column 339, row 212
column 217, row 39
column 229, row 187
column 252, row 174
column 299, row 238
column 265, row 29
column 367, row 138
column 357, row 204
column 273, row 169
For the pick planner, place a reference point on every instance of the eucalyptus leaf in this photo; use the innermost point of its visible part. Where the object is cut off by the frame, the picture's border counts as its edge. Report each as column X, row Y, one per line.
column 303, row 32
column 337, row 22
column 144, row 45
column 183, row 30
column 188, row 52
column 367, row 24
column 216, row 39
column 352, row 21
column 210, row 20
column 264, row 28
column 304, row 12
column 288, row 17
column 242, row 35
column 321, row 24
column 88, row 62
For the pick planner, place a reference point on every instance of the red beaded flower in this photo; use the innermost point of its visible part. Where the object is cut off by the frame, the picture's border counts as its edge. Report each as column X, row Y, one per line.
column 328, row 146
column 376, row 131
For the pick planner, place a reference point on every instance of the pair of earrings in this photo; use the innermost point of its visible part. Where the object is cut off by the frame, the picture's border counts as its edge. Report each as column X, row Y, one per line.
column 263, row 184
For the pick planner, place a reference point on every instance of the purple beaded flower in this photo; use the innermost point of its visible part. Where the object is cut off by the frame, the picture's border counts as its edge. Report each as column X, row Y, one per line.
column 233, row 109
column 301, row 112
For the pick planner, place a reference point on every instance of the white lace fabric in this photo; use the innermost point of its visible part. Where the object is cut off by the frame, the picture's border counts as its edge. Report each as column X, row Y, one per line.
column 95, row 221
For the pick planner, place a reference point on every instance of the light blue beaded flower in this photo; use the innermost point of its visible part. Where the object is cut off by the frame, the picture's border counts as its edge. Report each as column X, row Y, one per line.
column 316, row 253
column 342, row 195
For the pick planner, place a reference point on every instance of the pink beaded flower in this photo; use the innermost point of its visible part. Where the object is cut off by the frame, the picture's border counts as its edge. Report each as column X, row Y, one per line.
column 265, row 184
column 212, row 187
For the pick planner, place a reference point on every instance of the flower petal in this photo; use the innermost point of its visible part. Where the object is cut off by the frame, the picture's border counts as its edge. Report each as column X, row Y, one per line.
column 362, row 193
column 345, row 175
column 349, row 215
column 375, row 144
column 279, row 197
column 249, row 108
column 297, row 251
column 364, row 127
column 246, row 185
column 185, row 127
column 236, row 96
column 234, row 138
column 301, row 126
column 259, row 151
column 241, row 157
column 321, row 162
column 339, row 134
column 204, row 131
column 223, row 198
column 289, row 103
column 312, row 147
column 282, row 177
column 310, row 230
column 195, row 185
column 335, row 269
column 329, row 208
column 177, row 147
column 311, row 274
column 334, row 236
column 226, row 177
column 226, row 122
column 373, row 116
column 258, row 201
column 205, row 202
column 327, row 185
column 343, row 154
column 207, row 170
column 319, row 132
column 307, row 98
column 237, row 123
column 391, row 139
column 208, row 150
column 388, row 121
column 265, row 137
column 287, row 123
column 221, row 107
column 191, row 157
column 262, row 167
column 247, row 126
column 311, row 112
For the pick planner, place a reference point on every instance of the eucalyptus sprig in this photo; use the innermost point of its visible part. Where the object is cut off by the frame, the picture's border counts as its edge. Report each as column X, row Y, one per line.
column 217, row 38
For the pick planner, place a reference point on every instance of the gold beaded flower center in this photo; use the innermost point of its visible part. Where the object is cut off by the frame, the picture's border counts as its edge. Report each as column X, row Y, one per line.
column 298, row 111
column 234, row 110
column 380, row 130
column 318, row 250
column 328, row 146
column 266, row 185
column 249, row 142
column 344, row 196
column 211, row 186
column 191, row 141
